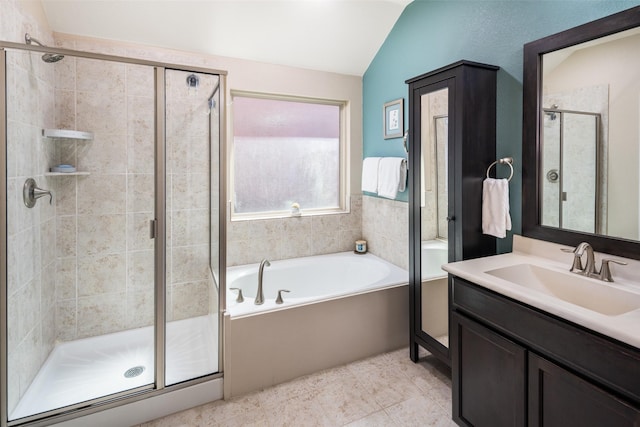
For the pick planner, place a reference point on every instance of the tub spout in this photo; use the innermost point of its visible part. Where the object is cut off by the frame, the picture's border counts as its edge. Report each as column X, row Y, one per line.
column 260, row 294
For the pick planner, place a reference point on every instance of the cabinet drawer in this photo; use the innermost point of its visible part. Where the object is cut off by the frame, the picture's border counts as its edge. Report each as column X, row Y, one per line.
column 614, row 365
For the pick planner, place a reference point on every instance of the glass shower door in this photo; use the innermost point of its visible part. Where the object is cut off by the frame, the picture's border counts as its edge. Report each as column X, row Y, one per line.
column 571, row 167
column 192, row 141
column 80, row 260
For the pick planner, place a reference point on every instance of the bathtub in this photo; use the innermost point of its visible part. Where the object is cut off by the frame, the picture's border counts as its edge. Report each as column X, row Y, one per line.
column 435, row 253
column 310, row 279
column 342, row 307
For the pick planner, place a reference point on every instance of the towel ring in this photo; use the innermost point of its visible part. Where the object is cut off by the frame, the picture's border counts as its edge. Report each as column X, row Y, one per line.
column 503, row 161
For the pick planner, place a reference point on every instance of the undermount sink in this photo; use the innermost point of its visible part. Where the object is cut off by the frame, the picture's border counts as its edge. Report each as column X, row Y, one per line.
column 570, row 287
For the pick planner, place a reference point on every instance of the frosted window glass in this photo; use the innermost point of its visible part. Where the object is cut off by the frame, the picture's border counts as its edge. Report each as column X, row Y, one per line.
column 285, row 152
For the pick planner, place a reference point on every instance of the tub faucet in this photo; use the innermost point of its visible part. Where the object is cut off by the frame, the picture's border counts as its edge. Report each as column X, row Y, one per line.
column 260, row 294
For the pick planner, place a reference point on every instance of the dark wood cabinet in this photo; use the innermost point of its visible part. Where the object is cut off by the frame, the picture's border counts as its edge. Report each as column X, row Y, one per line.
column 469, row 107
column 560, row 398
column 488, row 371
column 514, row 365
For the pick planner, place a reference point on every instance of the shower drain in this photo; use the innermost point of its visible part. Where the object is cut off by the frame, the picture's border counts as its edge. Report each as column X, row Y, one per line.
column 134, row 372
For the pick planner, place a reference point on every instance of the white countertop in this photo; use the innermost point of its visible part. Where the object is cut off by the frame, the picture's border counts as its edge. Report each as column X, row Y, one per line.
column 624, row 327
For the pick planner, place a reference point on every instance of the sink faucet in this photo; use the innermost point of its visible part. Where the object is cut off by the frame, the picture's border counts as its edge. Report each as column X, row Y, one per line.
column 260, row 294
column 589, row 269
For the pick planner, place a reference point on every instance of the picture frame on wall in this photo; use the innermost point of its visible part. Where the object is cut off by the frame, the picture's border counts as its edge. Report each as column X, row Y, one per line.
column 393, row 112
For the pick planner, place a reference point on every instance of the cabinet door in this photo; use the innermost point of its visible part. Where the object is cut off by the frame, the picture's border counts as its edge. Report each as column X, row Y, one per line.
column 488, row 376
column 559, row 398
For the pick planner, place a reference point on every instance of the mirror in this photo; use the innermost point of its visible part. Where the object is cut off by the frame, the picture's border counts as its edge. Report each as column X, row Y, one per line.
column 434, row 140
column 581, row 141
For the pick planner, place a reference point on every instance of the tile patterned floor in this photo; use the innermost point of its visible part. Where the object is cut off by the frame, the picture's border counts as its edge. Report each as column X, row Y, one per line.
column 385, row 390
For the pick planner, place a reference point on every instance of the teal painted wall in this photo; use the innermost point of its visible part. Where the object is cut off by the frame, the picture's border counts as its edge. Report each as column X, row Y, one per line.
column 433, row 33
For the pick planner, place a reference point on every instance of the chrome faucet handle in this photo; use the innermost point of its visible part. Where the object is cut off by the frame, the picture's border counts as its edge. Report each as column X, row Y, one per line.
column 605, row 270
column 240, row 298
column 577, row 260
column 279, row 300
column 31, row 193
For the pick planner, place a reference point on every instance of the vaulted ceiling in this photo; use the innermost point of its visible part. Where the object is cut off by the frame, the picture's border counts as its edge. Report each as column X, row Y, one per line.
column 340, row 36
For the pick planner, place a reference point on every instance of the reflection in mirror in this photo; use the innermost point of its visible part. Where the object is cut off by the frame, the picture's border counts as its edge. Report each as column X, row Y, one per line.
column 571, row 163
column 434, row 206
column 590, row 137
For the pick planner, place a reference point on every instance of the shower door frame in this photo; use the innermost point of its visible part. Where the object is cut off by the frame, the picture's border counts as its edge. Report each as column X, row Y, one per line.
column 158, row 387
column 598, row 220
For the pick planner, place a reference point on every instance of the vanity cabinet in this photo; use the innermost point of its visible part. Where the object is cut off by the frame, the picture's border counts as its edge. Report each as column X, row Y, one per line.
column 452, row 132
column 514, row 365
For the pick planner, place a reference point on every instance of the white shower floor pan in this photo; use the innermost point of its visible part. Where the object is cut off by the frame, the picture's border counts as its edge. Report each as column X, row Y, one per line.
column 85, row 369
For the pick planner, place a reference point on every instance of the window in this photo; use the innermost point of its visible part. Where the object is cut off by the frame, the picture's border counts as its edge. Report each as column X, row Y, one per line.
column 286, row 151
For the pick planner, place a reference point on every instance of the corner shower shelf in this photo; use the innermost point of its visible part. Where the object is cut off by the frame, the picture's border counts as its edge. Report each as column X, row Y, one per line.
column 66, row 133
column 66, row 173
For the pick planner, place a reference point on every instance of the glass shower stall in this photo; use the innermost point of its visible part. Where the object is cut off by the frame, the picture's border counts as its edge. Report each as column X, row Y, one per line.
column 112, row 233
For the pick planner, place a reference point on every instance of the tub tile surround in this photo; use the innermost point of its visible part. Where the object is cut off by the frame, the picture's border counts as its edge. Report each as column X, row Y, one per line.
column 382, row 222
column 249, row 242
column 385, row 226
column 384, row 390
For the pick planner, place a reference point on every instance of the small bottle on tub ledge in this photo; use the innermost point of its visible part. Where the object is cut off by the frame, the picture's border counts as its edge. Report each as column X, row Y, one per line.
column 361, row 247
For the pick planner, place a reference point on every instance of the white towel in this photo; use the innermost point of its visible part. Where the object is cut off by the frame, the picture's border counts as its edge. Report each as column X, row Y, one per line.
column 370, row 174
column 392, row 176
column 495, row 207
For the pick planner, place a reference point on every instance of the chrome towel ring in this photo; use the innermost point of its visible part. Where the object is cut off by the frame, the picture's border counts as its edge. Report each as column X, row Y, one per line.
column 504, row 161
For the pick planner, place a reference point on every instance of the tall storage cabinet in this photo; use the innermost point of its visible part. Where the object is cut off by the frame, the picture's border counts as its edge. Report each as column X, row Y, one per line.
column 452, row 131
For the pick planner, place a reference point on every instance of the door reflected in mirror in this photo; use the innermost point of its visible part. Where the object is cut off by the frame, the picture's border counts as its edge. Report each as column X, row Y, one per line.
column 572, row 188
column 434, row 142
column 590, row 138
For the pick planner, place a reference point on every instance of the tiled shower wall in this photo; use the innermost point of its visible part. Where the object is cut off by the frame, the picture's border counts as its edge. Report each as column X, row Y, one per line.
column 105, row 260
column 105, row 255
column 31, row 232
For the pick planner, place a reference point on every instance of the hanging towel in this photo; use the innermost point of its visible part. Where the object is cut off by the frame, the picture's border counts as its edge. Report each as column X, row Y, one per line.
column 392, row 176
column 495, row 207
column 370, row 174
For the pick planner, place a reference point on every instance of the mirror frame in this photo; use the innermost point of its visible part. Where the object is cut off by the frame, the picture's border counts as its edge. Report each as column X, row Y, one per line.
column 531, row 145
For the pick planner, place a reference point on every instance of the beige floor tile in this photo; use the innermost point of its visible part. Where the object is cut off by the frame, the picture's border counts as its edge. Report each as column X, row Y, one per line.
column 419, row 412
column 385, row 390
column 377, row 419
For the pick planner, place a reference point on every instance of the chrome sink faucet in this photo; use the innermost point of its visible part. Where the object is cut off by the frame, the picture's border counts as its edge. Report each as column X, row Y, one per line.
column 590, row 269
column 260, row 294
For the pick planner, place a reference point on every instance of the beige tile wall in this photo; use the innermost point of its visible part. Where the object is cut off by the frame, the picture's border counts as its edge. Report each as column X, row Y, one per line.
column 282, row 238
column 105, row 262
column 385, row 226
column 31, row 232
column 103, row 219
column 189, row 196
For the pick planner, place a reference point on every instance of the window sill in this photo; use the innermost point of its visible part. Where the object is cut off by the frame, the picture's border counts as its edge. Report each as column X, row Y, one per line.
column 285, row 215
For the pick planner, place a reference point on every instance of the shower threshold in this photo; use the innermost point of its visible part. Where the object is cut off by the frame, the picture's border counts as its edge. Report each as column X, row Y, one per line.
column 88, row 368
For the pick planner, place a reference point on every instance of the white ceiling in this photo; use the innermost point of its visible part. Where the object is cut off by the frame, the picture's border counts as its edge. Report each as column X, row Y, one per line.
column 341, row 36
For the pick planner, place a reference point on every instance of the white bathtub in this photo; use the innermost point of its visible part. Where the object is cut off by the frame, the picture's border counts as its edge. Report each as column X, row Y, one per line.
column 310, row 279
column 342, row 307
column 435, row 253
